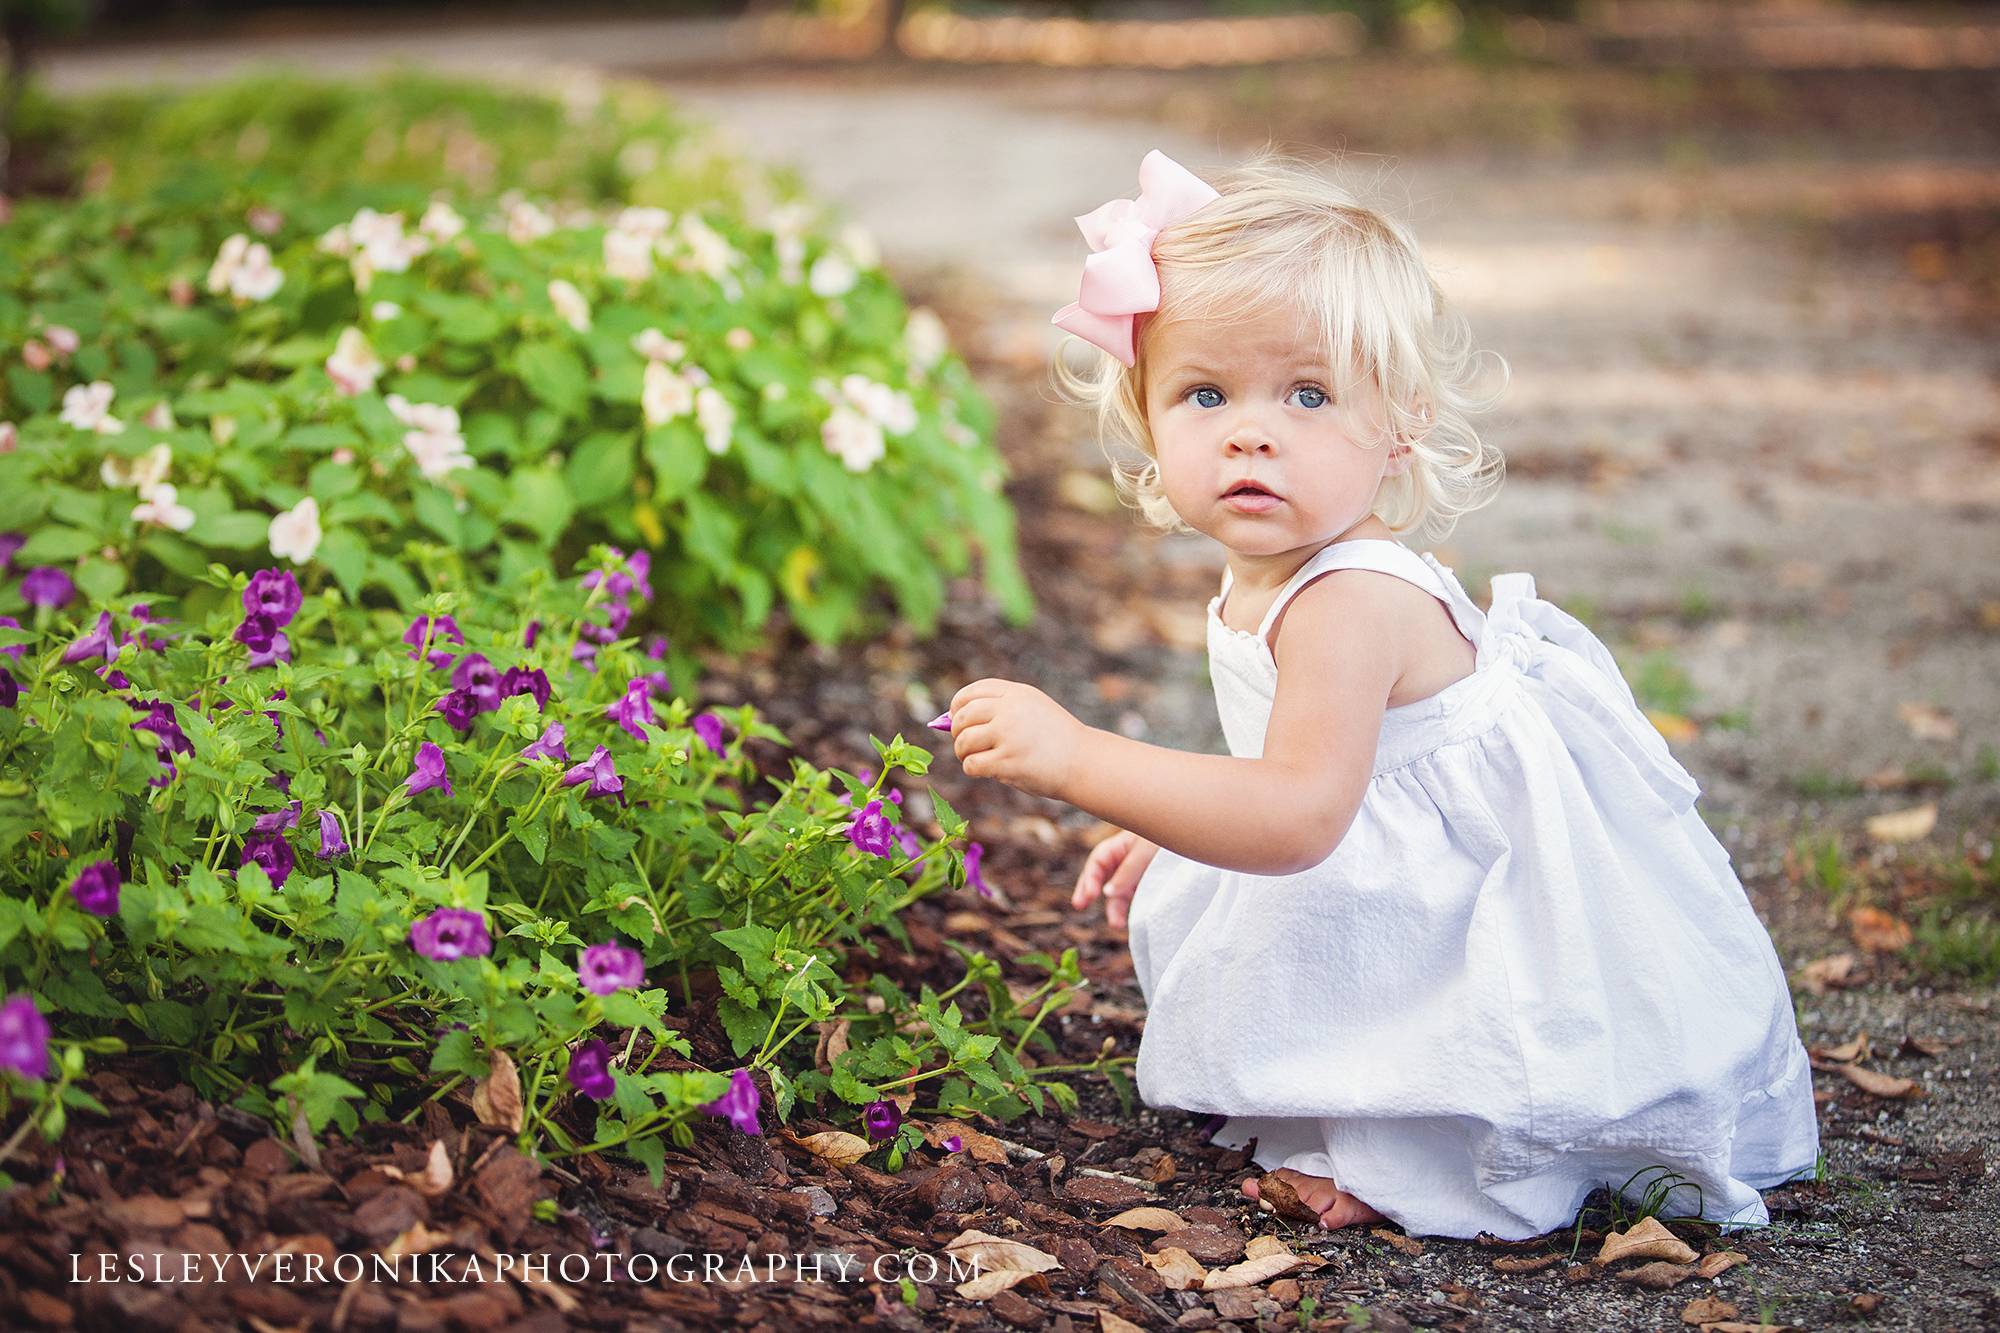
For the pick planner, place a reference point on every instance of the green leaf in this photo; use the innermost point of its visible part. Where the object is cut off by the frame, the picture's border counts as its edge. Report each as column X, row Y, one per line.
column 541, row 500
column 678, row 458
column 554, row 375
column 650, row 1153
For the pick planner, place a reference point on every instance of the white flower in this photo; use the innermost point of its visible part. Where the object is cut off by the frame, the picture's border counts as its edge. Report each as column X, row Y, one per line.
column 353, row 365
column 525, row 222
column 88, row 407
column 265, row 221
column 860, row 246
column 717, row 418
column 657, row 346
column 384, row 310
column 791, row 252
column 569, row 304
column 63, row 338
column 337, row 241
column 789, row 219
column 256, row 278
column 959, row 433
column 665, row 394
column 440, row 222
column 10, row 437
column 886, row 407
column 831, row 275
column 295, row 533
column 437, row 455
column 142, row 473
column 651, row 223
column 227, row 260
column 738, row 339
column 708, row 252
column 161, row 504
column 434, row 438
column 628, row 254
column 925, row 339
column 159, row 416
column 853, row 439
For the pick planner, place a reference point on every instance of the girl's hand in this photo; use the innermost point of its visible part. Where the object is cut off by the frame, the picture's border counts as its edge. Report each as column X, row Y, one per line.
column 1013, row 732
column 1113, row 869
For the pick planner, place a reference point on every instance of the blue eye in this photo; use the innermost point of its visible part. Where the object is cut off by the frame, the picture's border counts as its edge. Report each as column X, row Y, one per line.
column 1315, row 390
column 1195, row 394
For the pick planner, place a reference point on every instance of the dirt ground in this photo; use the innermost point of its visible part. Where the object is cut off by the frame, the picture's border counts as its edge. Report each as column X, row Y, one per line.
column 1751, row 434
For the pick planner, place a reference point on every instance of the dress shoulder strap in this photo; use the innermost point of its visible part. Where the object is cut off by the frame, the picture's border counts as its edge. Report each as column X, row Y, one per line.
column 1379, row 554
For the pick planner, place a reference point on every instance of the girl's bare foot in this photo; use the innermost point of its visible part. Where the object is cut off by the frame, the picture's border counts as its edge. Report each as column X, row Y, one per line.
column 1335, row 1206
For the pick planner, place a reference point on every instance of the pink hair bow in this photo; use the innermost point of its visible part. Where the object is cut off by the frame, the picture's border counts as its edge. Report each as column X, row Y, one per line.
column 1120, row 280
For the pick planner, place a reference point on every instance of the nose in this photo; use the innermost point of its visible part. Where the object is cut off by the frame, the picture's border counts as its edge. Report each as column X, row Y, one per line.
column 1249, row 439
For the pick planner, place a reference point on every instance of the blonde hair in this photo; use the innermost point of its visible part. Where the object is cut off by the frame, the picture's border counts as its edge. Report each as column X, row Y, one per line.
column 1282, row 232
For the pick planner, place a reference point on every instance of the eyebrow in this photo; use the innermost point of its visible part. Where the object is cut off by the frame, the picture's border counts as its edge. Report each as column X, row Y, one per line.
column 1178, row 372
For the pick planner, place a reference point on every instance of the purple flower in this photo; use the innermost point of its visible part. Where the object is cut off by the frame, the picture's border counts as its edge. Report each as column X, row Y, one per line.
column 590, row 1070
column 97, row 643
column 709, row 727
column 451, row 933
column 142, row 615
column 273, row 593
column 481, row 678
column 13, row 649
column 881, row 1118
column 96, row 888
column 610, row 966
column 656, row 646
column 279, row 651
column 257, row 632
column 550, row 746
column 275, row 820
column 24, row 1037
column 531, row 633
column 526, row 680
column 331, row 843
column 598, row 771
column 447, row 628
column 593, row 633
column 739, row 1104
column 942, row 722
column 911, row 844
column 45, row 585
column 271, row 851
column 657, row 683
column 459, row 708
column 428, row 771
column 871, row 831
column 972, row 875
column 10, row 542
column 165, row 728
column 584, row 652
column 622, row 583
column 616, row 617
column 953, row 1143
column 166, row 774
column 634, row 710
column 10, row 689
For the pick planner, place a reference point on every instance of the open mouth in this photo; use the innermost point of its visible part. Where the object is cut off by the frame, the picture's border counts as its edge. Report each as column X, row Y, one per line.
column 1247, row 488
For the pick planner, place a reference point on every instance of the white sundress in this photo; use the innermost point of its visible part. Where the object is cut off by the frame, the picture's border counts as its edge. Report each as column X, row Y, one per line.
column 1527, row 971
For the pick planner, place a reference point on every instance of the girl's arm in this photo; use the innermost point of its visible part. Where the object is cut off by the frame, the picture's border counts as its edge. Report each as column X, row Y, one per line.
column 1338, row 659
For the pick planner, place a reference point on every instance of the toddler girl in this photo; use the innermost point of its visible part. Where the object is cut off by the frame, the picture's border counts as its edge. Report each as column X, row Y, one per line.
column 1443, row 935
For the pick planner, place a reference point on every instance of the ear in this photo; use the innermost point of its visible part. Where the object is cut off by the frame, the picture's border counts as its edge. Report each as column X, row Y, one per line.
column 1399, row 460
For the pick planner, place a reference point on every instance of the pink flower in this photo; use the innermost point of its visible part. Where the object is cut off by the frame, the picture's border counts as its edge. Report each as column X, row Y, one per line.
column 739, row 1104
column 451, row 933
column 428, row 771
column 95, row 888
column 24, row 1037
column 590, row 1070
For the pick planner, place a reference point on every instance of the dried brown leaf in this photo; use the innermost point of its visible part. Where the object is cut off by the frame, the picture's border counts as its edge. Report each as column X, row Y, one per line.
column 1253, row 1271
column 1658, row 1275
column 1647, row 1239
column 1715, row 1265
column 990, row 1284
column 1878, row 1084
column 1262, row 1246
column 1904, row 825
column 835, row 1146
column 1409, row 1245
column 1522, row 1263
column 1146, row 1219
column 996, row 1253
column 1707, row 1310
column 1741, row 1326
column 1878, row 931
column 435, row 1177
column 416, row 1239
column 1108, row 1322
column 1830, row 973
column 497, row 1099
column 1927, row 722
column 1276, row 1195
column 832, row 1044
column 1847, row 1051
column 982, row 1148
column 1176, row 1267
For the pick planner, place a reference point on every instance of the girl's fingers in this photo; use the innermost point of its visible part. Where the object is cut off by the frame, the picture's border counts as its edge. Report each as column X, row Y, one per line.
column 1102, row 859
column 1118, row 893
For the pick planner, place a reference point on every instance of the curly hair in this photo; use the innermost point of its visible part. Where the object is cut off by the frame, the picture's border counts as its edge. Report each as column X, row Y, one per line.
column 1284, row 232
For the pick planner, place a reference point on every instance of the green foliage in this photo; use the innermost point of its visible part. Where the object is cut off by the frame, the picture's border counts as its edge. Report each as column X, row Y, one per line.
column 295, row 291
column 289, row 982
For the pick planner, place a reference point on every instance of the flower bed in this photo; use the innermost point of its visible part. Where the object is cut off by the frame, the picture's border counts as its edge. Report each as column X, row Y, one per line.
column 336, row 861
column 341, row 372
